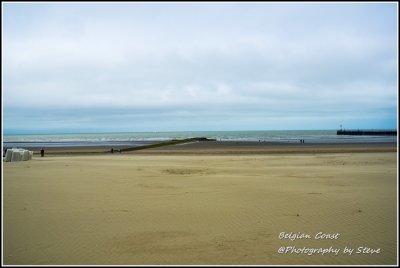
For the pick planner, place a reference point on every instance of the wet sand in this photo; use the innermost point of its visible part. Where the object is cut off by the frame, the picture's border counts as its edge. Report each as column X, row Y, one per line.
column 230, row 147
column 217, row 204
column 242, row 147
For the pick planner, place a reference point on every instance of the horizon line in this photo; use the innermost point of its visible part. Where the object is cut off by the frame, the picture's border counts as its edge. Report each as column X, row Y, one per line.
column 6, row 133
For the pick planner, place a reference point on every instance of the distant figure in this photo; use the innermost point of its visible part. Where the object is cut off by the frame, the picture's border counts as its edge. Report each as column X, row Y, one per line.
column 42, row 152
column 112, row 150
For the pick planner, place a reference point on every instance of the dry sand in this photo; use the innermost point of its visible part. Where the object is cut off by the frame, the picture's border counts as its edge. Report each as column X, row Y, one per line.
column 199, row 209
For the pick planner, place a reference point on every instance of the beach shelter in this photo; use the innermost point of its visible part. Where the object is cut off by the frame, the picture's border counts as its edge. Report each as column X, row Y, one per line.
column 8, row 155
column 17, row 154
column 25, row 155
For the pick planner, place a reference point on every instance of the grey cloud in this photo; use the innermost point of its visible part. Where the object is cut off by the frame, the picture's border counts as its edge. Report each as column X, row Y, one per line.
column 178, row 62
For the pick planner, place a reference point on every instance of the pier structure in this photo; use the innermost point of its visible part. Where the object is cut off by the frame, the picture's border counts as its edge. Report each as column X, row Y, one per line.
column 367, row 132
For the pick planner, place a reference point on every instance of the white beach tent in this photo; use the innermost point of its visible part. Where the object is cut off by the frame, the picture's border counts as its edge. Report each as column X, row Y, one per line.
column 8, row 155
column 25, row 155
column 17, row 154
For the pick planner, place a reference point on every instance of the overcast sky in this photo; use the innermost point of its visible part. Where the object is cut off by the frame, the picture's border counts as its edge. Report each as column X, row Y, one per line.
column 76, row 67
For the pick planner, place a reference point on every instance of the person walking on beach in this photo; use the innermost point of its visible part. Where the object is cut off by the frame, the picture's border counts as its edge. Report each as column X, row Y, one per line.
column 42, row 152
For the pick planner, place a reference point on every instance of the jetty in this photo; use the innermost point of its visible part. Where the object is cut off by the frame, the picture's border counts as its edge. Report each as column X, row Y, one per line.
column 367, row 132
column 166, row 143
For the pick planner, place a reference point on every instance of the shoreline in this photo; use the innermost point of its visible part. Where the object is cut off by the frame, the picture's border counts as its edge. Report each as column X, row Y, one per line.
column 230, row 148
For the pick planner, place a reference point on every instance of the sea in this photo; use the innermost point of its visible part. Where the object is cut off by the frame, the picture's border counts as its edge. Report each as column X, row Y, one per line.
column 133, row 139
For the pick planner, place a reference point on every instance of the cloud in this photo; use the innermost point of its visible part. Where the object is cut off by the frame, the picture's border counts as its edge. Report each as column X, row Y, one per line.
column 187, row 60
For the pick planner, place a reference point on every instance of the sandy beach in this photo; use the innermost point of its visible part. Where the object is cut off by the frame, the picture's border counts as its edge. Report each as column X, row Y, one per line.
column 204, row 203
